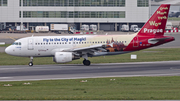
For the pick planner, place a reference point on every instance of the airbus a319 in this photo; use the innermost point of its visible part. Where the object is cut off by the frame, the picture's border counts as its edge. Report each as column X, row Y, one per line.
column 64, row 49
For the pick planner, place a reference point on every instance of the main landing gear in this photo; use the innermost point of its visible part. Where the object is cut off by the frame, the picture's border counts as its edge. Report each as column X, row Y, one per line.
column 86, row 62
column 31, row 62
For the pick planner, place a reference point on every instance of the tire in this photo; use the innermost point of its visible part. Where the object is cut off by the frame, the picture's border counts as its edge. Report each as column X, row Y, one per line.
column 86, row 62
column 30, row 64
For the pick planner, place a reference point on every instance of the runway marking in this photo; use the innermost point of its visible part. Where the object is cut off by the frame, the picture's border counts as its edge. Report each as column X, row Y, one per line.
column 12, row 38
column 5, row 77
column 175, row 68
column 9, row 68
column 140, row 62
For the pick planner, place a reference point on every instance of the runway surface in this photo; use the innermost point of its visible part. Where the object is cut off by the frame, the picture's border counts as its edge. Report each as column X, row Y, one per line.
column 52, row 72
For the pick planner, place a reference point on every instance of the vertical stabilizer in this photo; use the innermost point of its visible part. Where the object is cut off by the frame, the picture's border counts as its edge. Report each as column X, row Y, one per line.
column 157, row 23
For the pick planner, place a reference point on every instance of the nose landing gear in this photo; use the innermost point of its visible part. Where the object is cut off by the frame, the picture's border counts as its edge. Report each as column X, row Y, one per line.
column 31, row 62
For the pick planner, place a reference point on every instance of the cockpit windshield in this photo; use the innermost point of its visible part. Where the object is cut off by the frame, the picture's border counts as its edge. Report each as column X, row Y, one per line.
column 16, row 43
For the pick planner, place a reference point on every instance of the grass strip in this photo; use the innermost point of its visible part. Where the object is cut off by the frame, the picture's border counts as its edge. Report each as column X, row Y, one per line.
column 126, row 88
column 143, row 56
column 174, row 19
column 5, row 45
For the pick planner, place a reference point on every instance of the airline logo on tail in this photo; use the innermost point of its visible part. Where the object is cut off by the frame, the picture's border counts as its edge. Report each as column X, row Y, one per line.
column 156, row 24
column 152, row 33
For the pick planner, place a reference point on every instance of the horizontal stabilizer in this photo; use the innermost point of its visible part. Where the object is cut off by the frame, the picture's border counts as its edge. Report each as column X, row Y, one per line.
column 155, row 40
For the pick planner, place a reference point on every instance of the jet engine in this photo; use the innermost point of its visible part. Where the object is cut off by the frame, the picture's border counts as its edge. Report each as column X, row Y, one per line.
column 64, row 57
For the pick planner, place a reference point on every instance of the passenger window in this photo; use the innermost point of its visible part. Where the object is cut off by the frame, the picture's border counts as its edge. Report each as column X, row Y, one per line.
column 54, row 43
column 19, row 43
column 85, row 42
column 36, row 43
column 69, row 42
column 76, row 42
column 73, row 42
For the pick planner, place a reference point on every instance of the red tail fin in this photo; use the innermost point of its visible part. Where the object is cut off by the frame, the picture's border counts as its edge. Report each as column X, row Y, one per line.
column 157, row 23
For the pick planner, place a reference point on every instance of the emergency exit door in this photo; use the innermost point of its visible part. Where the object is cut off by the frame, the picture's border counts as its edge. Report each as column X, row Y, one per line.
column 30, row 44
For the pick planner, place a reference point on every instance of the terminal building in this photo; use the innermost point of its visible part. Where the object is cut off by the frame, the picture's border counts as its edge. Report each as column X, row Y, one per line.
column 108, row 15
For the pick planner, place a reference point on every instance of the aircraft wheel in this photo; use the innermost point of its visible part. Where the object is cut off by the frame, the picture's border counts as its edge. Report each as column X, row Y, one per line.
column 30, row 64
column 86, row 62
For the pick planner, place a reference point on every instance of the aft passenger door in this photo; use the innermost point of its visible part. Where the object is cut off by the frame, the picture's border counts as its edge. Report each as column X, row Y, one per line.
column 135, row 42
column 30, row 44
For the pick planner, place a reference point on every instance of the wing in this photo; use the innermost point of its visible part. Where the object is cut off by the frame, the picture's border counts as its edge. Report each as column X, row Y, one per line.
column 89, row 50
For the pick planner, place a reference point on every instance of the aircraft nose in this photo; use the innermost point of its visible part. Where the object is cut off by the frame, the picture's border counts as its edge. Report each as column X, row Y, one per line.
column 7, row 50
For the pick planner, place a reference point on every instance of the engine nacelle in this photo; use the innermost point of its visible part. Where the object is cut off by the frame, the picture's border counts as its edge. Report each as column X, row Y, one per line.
column 64, row 57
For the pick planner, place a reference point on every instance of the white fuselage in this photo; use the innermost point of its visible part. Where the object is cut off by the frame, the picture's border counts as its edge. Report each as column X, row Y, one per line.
column 42, row 46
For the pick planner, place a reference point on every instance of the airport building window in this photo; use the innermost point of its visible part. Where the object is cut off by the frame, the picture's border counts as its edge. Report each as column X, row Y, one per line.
column 3, row 2
column 143, row 3
column 71, row 14
column 79, row 3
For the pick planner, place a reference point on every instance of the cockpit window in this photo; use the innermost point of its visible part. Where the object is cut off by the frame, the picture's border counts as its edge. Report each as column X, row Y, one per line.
column 16, row 43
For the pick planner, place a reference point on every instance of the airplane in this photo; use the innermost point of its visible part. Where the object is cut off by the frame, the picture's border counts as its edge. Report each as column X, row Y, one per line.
column 64, row 49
